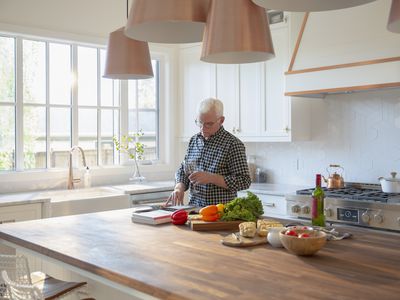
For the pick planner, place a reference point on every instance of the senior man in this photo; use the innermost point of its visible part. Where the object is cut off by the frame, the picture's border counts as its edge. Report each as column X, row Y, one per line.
column 215, row 165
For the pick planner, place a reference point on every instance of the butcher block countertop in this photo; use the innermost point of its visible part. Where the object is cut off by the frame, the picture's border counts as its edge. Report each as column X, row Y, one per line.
column 173, row 262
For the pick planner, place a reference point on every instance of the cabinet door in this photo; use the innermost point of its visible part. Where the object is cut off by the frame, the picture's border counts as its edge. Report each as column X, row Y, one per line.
column 251, row 85
column 228, row 93
column 277, row 106
column 24, row 212
column 197, row 83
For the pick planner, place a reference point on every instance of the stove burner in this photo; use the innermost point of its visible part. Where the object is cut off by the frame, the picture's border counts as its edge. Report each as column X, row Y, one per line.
column 361, row 194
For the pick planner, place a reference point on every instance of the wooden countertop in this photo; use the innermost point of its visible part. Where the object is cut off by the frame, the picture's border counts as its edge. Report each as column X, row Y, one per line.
column 172, row 262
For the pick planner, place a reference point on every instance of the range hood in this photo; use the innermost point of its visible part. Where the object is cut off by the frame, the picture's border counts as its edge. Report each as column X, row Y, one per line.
column 346, row 78
column 344, row 51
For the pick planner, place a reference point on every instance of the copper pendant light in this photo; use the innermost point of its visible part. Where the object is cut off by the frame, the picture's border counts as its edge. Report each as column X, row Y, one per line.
column 237, row 31
column 167, row 21
column 309, row 5
column 394, row 17
column 127, row 58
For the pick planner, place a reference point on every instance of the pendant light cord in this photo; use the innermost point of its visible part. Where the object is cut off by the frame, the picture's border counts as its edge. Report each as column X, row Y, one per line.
column 127, row 9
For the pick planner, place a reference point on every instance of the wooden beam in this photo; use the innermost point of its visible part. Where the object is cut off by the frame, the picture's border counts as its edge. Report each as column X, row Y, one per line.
column 345, row 89
column 299, row 37
column 347, row 65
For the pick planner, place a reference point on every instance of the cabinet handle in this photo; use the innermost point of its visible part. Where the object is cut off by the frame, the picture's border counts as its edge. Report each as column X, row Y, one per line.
column 234, row 130
column 7, row 221
column 269, row 204
column 238, row 130
column 287, row 129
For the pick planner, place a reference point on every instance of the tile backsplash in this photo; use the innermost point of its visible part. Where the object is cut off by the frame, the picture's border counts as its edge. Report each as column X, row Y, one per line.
column 359, row 131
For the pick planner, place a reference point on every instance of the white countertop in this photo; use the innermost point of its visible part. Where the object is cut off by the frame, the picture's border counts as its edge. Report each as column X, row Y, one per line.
column 78, row 194
column 275, row 189
column 22, row 198
column 146, row 187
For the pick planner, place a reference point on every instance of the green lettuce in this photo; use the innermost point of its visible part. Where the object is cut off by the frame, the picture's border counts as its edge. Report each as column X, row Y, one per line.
column 243, row 208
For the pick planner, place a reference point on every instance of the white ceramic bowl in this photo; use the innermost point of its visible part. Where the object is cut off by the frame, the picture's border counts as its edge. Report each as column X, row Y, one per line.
column 273, row 236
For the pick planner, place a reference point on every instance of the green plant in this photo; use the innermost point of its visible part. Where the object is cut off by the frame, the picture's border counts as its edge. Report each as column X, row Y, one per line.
column 135, row 152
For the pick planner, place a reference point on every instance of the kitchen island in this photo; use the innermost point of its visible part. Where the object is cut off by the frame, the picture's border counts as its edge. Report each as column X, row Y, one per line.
column 173, row 262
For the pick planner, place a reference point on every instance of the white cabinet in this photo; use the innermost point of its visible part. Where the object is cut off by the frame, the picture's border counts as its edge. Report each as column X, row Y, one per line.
column 23, row 212
column 197, row 82
column 240, row 88
column 284, row 118
column 255, row 106
column 273, row 205
column 17, row 213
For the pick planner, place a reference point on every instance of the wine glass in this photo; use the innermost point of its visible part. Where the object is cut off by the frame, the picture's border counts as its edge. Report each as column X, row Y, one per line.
column 190, row 166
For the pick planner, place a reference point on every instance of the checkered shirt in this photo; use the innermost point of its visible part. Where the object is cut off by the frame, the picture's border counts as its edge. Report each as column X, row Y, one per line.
column 222, row 154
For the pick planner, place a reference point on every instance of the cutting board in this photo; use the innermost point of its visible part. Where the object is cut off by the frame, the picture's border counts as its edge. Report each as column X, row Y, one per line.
column 200, row 225
column 231, row 240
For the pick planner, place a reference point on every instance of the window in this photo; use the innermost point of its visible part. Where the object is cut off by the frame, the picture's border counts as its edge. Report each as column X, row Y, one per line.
column 144, row 112
column 53, row 96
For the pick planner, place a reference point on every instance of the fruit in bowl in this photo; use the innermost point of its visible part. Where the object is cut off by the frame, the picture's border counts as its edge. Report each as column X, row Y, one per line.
column 301, row 240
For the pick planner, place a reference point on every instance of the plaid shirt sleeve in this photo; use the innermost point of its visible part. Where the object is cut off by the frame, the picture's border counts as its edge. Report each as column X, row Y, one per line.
column 239, row 178
column 180, row 177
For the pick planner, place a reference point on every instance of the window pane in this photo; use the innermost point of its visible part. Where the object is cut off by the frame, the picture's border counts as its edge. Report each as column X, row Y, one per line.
column 116, row 98
column 7, row 69
column 106, row 83
column 34, row 70
column 148, row 121
column 60, row 136
column 132, row 121
column 88, row 134
column 60, row 74
column 132, row 87
column 34, row 137
column 150, row 149
column 87, row 76
column 147, row 93
column 109, row 128
column 7, row 138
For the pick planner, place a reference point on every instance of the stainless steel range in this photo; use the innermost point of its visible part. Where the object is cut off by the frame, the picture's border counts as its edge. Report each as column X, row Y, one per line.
column 356, row 204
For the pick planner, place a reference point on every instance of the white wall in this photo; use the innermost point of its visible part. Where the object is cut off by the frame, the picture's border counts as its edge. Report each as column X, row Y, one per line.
column 359, row 131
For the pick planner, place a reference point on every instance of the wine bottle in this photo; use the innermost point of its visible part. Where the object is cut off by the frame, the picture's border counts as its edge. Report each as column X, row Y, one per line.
column 317, row 204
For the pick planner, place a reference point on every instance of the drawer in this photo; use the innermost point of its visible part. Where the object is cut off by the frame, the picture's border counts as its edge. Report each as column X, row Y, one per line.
column 273, row 205
column 24, row 212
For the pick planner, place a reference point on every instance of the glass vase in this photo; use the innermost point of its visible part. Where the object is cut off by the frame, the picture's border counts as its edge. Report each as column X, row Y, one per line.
column 136, row 176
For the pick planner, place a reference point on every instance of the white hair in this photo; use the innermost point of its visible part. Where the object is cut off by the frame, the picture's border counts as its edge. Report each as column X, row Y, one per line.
column 211, row 104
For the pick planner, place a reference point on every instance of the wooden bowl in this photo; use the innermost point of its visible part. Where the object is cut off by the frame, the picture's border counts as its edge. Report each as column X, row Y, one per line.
column 303, row 246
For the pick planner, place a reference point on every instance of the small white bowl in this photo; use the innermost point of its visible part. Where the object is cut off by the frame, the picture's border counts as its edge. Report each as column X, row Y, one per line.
column 273, row 237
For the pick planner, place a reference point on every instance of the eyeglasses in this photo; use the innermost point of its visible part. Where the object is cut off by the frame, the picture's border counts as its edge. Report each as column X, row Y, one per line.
column 205, row 124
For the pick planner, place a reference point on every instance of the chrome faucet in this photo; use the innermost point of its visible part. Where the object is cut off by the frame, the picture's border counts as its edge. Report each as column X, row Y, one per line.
column 71, row 180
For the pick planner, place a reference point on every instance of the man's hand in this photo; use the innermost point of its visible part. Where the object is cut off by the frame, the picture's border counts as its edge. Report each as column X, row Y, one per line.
column 200, row 177
column 176, row 197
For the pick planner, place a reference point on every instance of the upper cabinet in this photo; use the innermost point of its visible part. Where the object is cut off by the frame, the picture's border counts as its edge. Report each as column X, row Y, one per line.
column 197, row 82
column 255, row 106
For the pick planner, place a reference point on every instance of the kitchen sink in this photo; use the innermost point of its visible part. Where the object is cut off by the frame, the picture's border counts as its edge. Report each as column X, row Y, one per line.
column 80, row 201
column 79, row 194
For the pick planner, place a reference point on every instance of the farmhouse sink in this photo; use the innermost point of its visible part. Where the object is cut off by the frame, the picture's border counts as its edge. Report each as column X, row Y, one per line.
column 80, row 201
column 79, row 194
